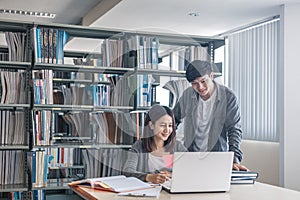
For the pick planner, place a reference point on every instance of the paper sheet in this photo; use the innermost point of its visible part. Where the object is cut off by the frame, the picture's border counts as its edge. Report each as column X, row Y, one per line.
column 151, row 192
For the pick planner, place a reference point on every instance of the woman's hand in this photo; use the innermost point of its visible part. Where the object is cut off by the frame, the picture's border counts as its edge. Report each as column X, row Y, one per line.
column 167, row 173
column 157, row 178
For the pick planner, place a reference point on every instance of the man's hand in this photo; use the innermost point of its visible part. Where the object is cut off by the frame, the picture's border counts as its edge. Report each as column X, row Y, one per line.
column 239, row 167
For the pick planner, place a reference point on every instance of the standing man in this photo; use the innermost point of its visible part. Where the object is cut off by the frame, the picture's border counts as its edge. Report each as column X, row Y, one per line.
column 211, row 113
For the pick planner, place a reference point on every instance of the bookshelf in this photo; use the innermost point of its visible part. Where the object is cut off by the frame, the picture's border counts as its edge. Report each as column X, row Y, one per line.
column 60, row 122
column 14, row 109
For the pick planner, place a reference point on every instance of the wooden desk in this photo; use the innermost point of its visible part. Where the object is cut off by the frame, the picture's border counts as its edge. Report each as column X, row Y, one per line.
column 237, row 192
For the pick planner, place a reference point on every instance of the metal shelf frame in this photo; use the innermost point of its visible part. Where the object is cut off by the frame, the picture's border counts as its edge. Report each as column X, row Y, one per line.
column 83, row 32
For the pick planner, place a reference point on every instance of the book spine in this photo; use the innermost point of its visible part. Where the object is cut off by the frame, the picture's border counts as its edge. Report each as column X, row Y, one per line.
column 140, row 49
column 154, row 49
column 36, row 88
column 38, row 127
column 50, row 45
column 53, row 50
column 59, row 47
column 32, row 156
column 38, row 47
column 46, row 45
column 147, row 52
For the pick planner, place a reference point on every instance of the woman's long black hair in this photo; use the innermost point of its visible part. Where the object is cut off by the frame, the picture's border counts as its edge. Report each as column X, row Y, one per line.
column 148, row 139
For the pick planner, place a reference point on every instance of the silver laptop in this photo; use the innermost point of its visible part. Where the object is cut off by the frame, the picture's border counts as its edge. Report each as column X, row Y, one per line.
column 200, row 172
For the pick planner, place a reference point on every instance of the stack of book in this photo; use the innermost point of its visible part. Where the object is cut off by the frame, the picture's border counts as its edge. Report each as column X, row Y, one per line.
column 243, row 177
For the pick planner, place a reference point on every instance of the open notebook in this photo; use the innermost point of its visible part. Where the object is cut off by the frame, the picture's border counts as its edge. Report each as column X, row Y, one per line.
column 113, row 183
column 200, row 172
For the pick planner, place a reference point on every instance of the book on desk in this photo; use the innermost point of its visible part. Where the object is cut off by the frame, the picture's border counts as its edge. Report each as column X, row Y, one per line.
column 243, row 177
column 113, row 183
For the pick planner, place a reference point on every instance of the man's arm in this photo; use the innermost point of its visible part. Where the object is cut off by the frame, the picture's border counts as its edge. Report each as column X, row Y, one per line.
column 177, row 113
column 179, row 108
column 234, row 128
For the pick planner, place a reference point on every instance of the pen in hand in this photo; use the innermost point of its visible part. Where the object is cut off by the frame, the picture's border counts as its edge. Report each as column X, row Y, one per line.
column 157, row 177
column 164, row 173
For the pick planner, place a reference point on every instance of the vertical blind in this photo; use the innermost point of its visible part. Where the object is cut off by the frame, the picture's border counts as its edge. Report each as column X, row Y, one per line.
column 252, row 74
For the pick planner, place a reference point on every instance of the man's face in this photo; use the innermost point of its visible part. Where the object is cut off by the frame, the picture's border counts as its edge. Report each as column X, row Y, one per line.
column 204, row 86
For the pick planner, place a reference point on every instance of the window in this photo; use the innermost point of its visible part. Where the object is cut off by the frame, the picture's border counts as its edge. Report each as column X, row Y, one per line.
column 251, row 72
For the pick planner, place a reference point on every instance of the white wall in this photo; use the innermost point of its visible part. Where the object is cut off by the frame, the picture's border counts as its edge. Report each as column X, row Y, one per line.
column 262, row 157
column 291, row 96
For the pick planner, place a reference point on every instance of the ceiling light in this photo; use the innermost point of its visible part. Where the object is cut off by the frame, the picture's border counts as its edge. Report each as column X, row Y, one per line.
column 28, row 13
column 194, row 14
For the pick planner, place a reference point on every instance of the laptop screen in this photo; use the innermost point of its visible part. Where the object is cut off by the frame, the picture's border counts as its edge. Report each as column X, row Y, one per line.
column 201, row 172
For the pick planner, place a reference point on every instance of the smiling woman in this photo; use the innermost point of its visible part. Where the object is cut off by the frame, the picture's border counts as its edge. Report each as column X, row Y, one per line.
column 149, row 157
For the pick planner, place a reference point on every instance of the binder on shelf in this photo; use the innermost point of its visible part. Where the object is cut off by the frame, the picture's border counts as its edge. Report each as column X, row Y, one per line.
column 38, row 167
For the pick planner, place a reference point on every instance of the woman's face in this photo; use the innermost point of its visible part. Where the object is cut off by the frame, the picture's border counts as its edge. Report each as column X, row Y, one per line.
column 163, row 127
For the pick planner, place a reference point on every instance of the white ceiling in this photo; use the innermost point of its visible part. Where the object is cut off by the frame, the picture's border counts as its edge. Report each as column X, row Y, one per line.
column 171, row 16
column 215, row 16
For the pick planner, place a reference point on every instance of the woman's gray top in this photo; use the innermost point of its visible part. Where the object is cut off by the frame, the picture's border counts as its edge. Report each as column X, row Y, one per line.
column 136, row 164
